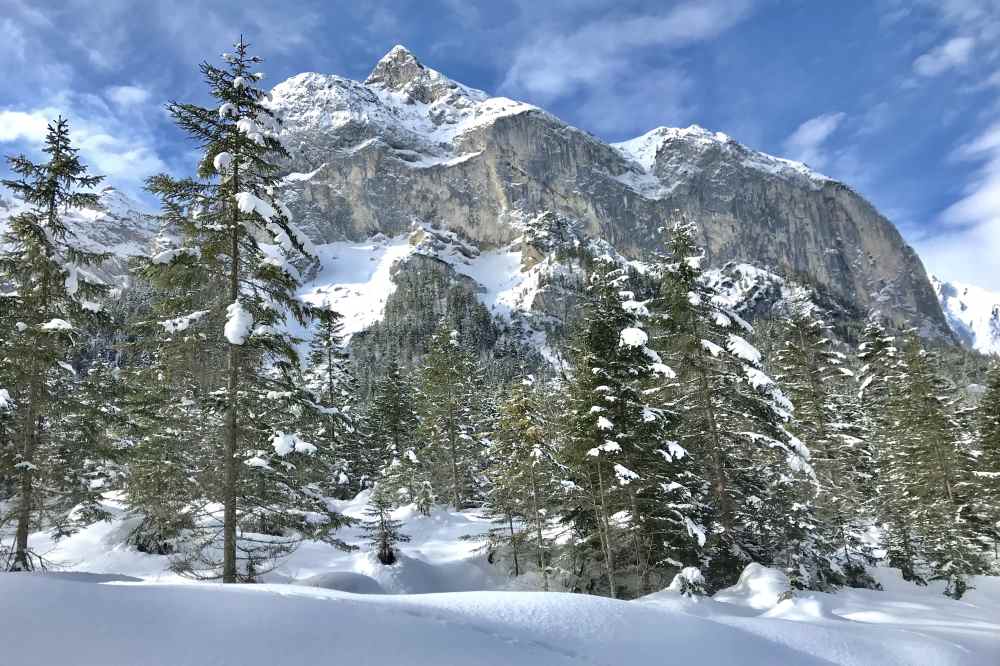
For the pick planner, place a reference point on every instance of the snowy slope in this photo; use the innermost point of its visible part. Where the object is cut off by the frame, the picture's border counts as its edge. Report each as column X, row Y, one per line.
column 444, row 604
column 100, row 620
column 644, row 151
column 972, row 312
column 356, row 278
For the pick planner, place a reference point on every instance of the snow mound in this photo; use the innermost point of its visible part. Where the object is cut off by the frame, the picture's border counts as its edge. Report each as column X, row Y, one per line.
column 759, row 587
column 345, row 581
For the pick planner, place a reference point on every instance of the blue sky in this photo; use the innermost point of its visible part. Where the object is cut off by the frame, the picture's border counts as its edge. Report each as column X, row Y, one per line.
column 901, row 100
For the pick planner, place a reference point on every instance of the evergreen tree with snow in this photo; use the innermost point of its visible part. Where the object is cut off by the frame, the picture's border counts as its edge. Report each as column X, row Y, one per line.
column 988, row 472
column 732, row 418
column 883, row 400
column 631, row 499
column 523, row 480
column 935, row 472
column 264, row 482
column 165, row 431
column 391, row 427
column 332, row 384
column 52, row 295
column 447, row 409
column 817, row 380
column 382, row 531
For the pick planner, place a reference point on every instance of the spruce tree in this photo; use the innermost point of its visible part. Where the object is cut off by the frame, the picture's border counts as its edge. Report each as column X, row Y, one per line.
column 732, row 418
column 332, row 384
column 391, row 427
column 381, row 530
column 448, row 417
column 631, row 497
column 815, row 377
column 523, row 475
column 52, row 296
column 988, row 472
column 264, row 484
column 882, row 400
column 937, row 473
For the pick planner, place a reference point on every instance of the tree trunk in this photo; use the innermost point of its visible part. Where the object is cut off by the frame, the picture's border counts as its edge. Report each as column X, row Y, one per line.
column 232, row 434
column 452, row 436
column 542, row 567
column 513, row 543
column 605, row 530
column 22, row 556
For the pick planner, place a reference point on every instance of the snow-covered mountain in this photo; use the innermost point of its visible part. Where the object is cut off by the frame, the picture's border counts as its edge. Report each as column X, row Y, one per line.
column 410, row 149
column 972, row 312
column 409, row 145
column 118, row 225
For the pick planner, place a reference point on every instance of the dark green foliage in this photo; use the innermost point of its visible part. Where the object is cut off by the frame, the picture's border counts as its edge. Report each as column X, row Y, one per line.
column 51, row 299
column 382, row 532
column 261, row 485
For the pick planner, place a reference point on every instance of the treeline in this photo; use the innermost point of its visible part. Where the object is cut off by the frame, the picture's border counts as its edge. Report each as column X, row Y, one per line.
column 227, row 414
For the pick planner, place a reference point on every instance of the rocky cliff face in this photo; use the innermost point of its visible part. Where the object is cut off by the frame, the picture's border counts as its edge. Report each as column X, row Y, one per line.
column 411, row 146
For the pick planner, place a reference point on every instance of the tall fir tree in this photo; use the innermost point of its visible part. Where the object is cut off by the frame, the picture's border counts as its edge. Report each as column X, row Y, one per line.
column 523, row 479
column 265, row 484
column 52, row 296
column 448, row 417
column 817, row 380
column 330, row 380
column 391, row 428
column 988, row 472
column 936, row 482
column 633, row 501
column 732, row 418
column 882, row 399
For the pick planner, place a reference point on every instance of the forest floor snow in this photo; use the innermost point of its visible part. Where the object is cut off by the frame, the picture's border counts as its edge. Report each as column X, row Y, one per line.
column 445, row 604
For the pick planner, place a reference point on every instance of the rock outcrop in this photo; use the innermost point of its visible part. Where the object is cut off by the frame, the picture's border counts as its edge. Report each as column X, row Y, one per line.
column 410, row 145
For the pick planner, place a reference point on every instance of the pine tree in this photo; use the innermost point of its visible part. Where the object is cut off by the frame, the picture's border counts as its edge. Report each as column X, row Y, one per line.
column 938, row 472
column 882, row 400
column 822, row 388
column 221, row 276
column 522, row 475
column 391, row 427
column 732, row 419
column 381, row 530
column 448, row 417
column 52, row 296
column 988, row 472
column 632, row 498
column 332, row 384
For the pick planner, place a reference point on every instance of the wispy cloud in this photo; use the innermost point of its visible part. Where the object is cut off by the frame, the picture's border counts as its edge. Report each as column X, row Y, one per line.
column 953, row 53
column 966, row 245
column 808, row 143
column 600, row 62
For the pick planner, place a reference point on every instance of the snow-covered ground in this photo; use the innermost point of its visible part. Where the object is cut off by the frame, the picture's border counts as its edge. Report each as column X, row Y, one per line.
column 356, row 278
column 445, row 604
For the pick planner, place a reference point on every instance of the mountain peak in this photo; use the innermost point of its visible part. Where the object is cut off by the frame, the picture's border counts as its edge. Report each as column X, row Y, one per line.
column 396, row 68
column 399, row 71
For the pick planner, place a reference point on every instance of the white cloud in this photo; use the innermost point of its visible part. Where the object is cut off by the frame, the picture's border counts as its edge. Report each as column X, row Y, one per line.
column 953, row 53
column 127, row 95
column 599, row 62
column 807, row 143
column 966, row 245
column 120, row 149
column 29, row 127
column 552, row 65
